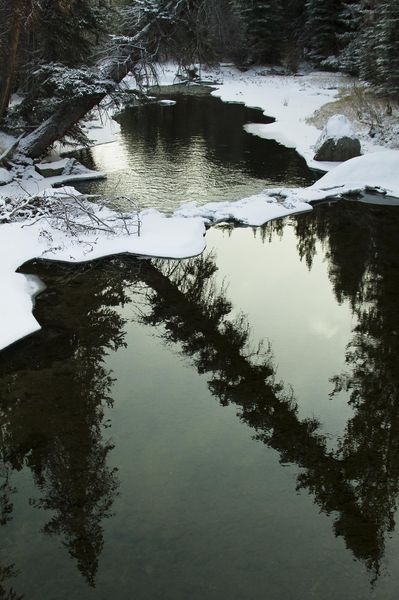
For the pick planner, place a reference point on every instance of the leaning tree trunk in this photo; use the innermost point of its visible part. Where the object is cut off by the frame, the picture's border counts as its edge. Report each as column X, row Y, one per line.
column 156, row 31
column 73, row 110
column 55, row 127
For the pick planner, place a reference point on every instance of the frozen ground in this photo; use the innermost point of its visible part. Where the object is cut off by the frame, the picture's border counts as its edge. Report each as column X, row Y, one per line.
column 291, row 100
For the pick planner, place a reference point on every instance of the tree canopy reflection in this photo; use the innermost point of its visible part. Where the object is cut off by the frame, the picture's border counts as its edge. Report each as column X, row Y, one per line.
column 53, row 390
column 368, row 279
column 55, row 385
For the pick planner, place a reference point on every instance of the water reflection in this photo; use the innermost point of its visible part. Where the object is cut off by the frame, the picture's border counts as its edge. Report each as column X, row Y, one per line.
column 368, row 278
column 194, row 315
column 53, row 390
column 196, row 150
column 6, row 592
column 54, row 387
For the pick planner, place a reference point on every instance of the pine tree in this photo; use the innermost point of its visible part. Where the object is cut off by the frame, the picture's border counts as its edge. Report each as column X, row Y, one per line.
column 388, row 47
column 262, row 22
column 350, row 25
column 67, row 31
column 13, row 21
column 321, row 29
column 294, row 18
column 366, row 43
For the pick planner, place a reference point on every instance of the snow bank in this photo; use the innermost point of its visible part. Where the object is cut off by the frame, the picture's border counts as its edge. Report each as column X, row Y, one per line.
column 28, row 182
column 161, row 236
column 379, row 171
column 290, row 99
column 5, row 176
column 255, row 210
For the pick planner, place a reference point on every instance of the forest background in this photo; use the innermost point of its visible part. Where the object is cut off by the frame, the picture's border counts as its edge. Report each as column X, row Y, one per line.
column 52, row 51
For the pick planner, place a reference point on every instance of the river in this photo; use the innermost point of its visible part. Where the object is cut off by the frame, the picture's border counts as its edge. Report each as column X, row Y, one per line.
column 220, row 427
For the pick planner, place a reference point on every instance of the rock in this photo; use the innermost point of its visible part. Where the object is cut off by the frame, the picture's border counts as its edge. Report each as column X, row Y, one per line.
column 338, row 141
column 5, row 176
column 52, row 169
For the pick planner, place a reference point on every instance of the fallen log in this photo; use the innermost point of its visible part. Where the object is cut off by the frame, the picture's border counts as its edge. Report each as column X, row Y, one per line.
column 124, row 58
column 57, row 126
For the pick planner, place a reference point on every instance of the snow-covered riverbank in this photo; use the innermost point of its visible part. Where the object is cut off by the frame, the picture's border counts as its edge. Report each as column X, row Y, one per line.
column 31, row 238
column 291, row 100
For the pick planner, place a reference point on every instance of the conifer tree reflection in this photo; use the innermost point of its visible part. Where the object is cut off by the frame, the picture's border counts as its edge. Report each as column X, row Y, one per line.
column 67, row 453
column 7, row 593
column 195, row 315
column 52, row 410
column 361, row 244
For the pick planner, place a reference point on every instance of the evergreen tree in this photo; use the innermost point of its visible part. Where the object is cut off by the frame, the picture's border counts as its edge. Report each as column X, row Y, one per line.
column 366, row 43
column 262, row 23
column 350, row 23
column 67, row 31
column 387, row 62
column 294, row 18
column 321, row 29
column 13, row 22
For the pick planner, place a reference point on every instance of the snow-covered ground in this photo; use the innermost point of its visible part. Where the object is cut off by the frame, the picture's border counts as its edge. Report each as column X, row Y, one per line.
column 24, row 240
column 374, row 172
column 290, row 100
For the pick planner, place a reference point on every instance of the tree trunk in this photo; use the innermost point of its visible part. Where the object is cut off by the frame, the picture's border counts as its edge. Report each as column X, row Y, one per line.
column 10, row 56
column 145, row 44
column 56, row 126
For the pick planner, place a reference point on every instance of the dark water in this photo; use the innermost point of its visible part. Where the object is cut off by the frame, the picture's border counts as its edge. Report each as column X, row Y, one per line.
column 149, row 451
column 220, row 427
column 196, row 150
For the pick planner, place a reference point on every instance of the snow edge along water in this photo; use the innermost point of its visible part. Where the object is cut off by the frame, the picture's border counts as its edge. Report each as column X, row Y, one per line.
column 180, row 235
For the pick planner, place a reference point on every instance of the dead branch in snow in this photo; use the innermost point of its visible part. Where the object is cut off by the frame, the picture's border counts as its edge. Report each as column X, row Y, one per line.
column 75, row 215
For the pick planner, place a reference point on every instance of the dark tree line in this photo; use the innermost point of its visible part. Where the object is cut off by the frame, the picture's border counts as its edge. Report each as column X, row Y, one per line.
column 65, row 57
column 356, row 36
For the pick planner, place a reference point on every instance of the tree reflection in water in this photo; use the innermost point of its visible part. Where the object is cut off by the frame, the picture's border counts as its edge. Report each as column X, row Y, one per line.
column 364, row 266
column 5, row 592
column 195, row 315
column 55, row 385
column 53, row 390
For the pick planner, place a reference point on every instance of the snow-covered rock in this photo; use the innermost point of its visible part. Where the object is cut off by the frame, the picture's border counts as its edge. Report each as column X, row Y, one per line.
column 5, row 176
column 338, row 141
column 52, row 169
